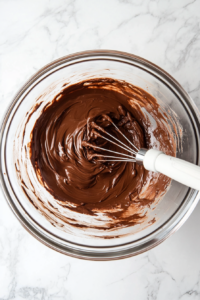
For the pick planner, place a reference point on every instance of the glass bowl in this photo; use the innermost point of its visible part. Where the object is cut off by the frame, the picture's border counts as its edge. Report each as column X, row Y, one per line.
column 174, row 208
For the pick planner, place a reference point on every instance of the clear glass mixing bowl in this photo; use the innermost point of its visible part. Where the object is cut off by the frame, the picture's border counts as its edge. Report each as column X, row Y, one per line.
column 171, row 212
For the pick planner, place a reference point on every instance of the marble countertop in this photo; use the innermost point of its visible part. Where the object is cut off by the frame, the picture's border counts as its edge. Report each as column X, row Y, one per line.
column 33, row 33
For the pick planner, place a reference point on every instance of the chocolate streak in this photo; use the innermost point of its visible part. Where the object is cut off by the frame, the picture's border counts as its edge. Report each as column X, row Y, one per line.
column 71, row 169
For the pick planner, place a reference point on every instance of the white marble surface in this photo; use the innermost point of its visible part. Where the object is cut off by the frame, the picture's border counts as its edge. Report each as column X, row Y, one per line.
column 32, row 33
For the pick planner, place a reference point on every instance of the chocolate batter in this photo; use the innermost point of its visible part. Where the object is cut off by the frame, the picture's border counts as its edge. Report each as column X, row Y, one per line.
column 71, row 169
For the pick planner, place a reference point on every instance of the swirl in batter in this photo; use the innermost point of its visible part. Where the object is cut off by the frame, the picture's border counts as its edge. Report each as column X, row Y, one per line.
column 115, row 194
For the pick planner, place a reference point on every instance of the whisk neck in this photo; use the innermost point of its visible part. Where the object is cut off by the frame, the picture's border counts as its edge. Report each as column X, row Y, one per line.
column 140, row 156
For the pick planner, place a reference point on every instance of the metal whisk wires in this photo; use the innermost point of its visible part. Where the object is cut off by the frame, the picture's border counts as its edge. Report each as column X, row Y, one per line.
column 130, row 157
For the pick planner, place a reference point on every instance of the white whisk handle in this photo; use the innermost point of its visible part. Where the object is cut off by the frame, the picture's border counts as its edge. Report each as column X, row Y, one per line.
column 175, row 168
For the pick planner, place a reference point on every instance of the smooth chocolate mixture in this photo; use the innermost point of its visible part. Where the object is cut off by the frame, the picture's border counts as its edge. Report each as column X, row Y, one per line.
column 74, row 172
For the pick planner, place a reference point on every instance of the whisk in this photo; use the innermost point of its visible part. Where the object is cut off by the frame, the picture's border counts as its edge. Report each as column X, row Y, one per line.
column 152, row 160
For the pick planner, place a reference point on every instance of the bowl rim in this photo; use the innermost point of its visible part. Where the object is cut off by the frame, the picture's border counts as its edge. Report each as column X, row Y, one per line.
column 86, row 253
